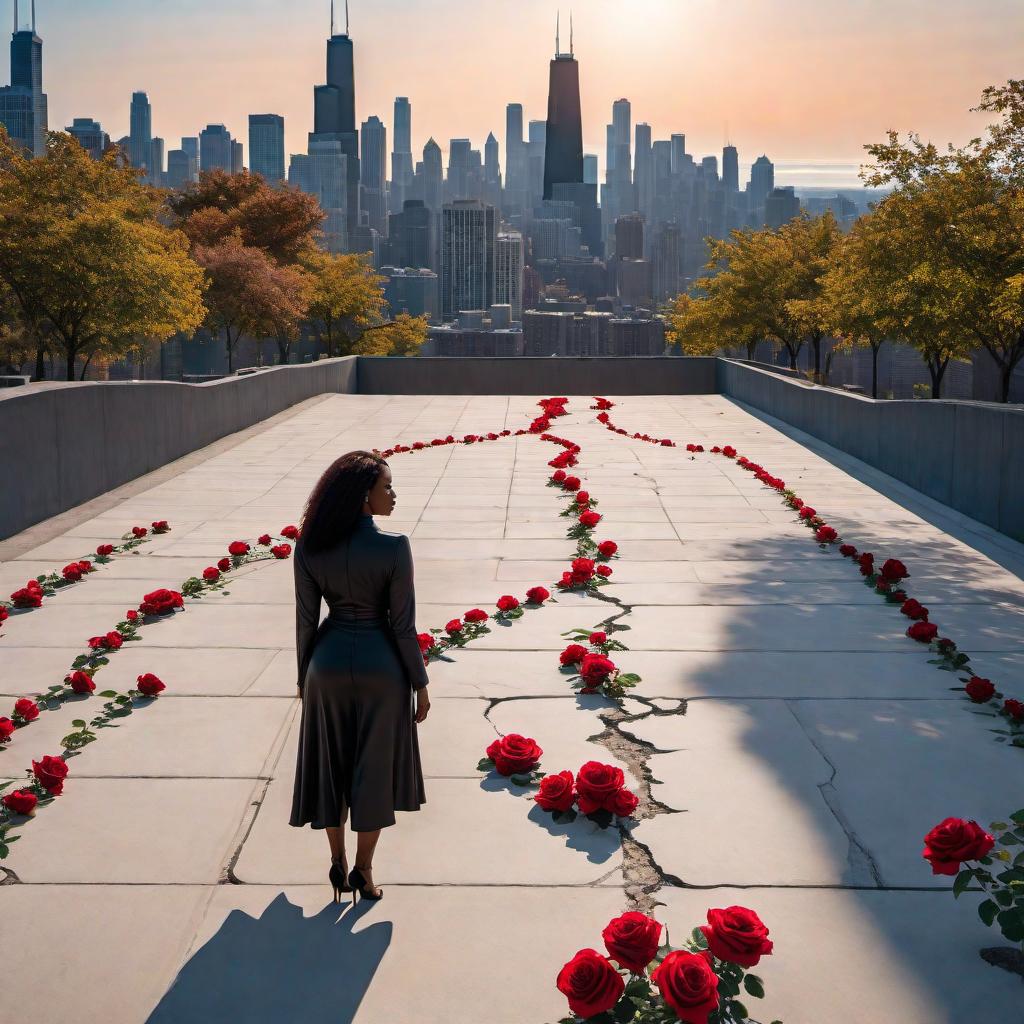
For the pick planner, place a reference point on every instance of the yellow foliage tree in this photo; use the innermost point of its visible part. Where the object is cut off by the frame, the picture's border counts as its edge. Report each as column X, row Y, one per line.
column 346, row 296
column 403, row 336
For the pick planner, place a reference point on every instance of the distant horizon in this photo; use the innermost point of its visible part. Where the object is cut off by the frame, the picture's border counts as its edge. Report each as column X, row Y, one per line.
column 809, row 87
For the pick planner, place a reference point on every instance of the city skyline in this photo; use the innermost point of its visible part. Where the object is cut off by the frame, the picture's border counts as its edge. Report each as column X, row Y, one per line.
column 175, row 53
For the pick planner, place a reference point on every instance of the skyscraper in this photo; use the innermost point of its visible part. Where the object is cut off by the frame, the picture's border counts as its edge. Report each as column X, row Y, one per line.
column 563, row 151
column 182, row 169
column 266, row 146
column 215, row 149
column 401, row 156
column 373, row 172
column 237, row 157
column 643, row 174
column 762, row 180
column 155, row 172
column 589, row 168
column 411, row 236
column 515, row 152
column 140, row 137
column 508, row 287
column 468, row 244
column 23, row 104
column 731, row 169
column 90, row 135
column 433, row 176
column 334, row 116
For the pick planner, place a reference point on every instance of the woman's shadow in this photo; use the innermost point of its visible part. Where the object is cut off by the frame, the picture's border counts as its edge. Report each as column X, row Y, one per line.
column 280, row 968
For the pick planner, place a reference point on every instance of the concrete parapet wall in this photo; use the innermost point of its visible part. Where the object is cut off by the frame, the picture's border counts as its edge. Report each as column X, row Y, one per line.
column 63, row 444
column 530, row 375
column 968, row 455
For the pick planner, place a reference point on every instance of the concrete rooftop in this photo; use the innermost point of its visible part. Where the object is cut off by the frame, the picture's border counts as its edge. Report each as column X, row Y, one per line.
column 802, row 744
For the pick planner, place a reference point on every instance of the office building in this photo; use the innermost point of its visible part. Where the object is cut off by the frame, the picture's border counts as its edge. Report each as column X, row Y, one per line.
column 478, row 333
column 780, row 207
column 401, row 156
column 508, row 286
column 591, row 333
column 468, row 252
column 731, row 169
column 563, row 148
column 412, row 236
column 762, row 180
column 629, row 236
column 155, row 167
column 215, row 149
column 266, row 146
column 323, row 173
column 23, row 104
column 182, row 169
column 411, row 290
column 90, row 135
column 373, row 138
column 140, row 136
column 515, row 155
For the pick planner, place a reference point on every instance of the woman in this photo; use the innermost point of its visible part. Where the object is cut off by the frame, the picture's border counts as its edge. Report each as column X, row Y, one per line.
column 357, row 739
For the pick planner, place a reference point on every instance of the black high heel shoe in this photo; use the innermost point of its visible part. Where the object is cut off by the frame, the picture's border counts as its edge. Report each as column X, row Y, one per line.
column 338, row 882
column 357, row 880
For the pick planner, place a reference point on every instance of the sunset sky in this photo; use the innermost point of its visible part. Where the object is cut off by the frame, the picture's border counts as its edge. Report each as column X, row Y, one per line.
column 806, row 81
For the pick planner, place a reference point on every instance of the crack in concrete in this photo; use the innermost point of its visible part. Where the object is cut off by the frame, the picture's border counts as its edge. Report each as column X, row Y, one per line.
column 229, row 877
column 859, row 858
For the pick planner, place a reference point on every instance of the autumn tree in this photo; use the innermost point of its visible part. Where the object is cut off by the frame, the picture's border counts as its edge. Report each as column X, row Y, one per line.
column 959, row 216
column 85, row 256
column 403, row 336
column 702, row 327
column 346, row 297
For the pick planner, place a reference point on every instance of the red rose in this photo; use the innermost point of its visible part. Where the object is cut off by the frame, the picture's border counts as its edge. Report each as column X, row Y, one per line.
column 21, row 801
column 847, row 550
column 7, row 728
column 556, row 792
column 476, row 615
column 113, row 640
column 72, row 573
column 590, row 519
column 28, row 597
column 632, row 940
column 455, row 626
column 590, row 983
column 507, row 603
column 537, row 595
column 1013, row 709
column 607, row 548
column 867, row 563
column 894, row 570
column 913, row 609
column 807, row 512
column 237, row 548
column 596, row 786
column 923, row 632
column 566, row 580
column 160, row 526
column 3, row 613
column 825, row 535
column 728, row 451
column 583, row 497
column 514, row 754
column 264, row 539
column 573, row 654
column 161, row 602
column 558, row 476
column 291, row 532
column 980, row 690
column 26, row 709
column 738, row 935
column 425, row 640
column 598, row 637
column 80, row 682
column 604, row 571
column 595, row 670
column 224, row 564
column 131, row 615
column 51, row 773
column 688, row 983
column 953, row 841
column 149, row 685
column 86, row 566
column 104, row 550
column 571, row 483
column 583, row 567
column 139, row 531
column 623, row 803
column 210, row 574
column 281, row 550
column 666, row 443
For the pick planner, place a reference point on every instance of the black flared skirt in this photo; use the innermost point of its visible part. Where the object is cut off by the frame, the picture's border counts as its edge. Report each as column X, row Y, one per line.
column 357, row 738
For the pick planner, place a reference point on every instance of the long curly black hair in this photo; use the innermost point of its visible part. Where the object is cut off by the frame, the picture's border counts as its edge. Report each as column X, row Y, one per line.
column 336, row 503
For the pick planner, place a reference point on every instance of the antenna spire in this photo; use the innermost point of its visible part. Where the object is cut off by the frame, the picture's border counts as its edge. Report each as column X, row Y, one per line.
column 571, row 49
column 332, row 18
column 346, row 17
column 558, row 32
column 15, row 17
column 33, row 16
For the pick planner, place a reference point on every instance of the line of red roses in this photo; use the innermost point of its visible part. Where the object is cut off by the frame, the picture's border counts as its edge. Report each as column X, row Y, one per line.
column 887, row 582
column 704, row 977
column 597, row 791
column 47, row 776
column 31, row 596
column 586, row 661
column 960, row 848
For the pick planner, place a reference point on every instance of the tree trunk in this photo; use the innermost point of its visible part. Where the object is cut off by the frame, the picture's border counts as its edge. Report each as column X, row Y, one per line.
column 793, row 353
column 874, row 370
column 751, row 348
column 937, row 368
column 85, row 366
column 70, row 364
column 283, row 352
column 40, row 373
column 230, row 348
column 816, row 345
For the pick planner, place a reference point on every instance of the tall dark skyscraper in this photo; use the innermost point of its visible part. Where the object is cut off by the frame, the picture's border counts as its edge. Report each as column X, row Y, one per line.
column 23, row 105
column 563, row 151
column 731, row 169
column 140, row 138
column 401, row 156
column 334, row 115
column 515, row 148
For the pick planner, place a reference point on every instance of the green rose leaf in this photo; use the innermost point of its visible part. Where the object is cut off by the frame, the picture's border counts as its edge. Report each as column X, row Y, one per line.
column 987, row 912
column 963, row 880
column 754, row 986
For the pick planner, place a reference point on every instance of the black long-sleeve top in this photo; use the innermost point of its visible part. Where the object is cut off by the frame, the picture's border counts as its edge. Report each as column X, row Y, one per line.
column 368, row 578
